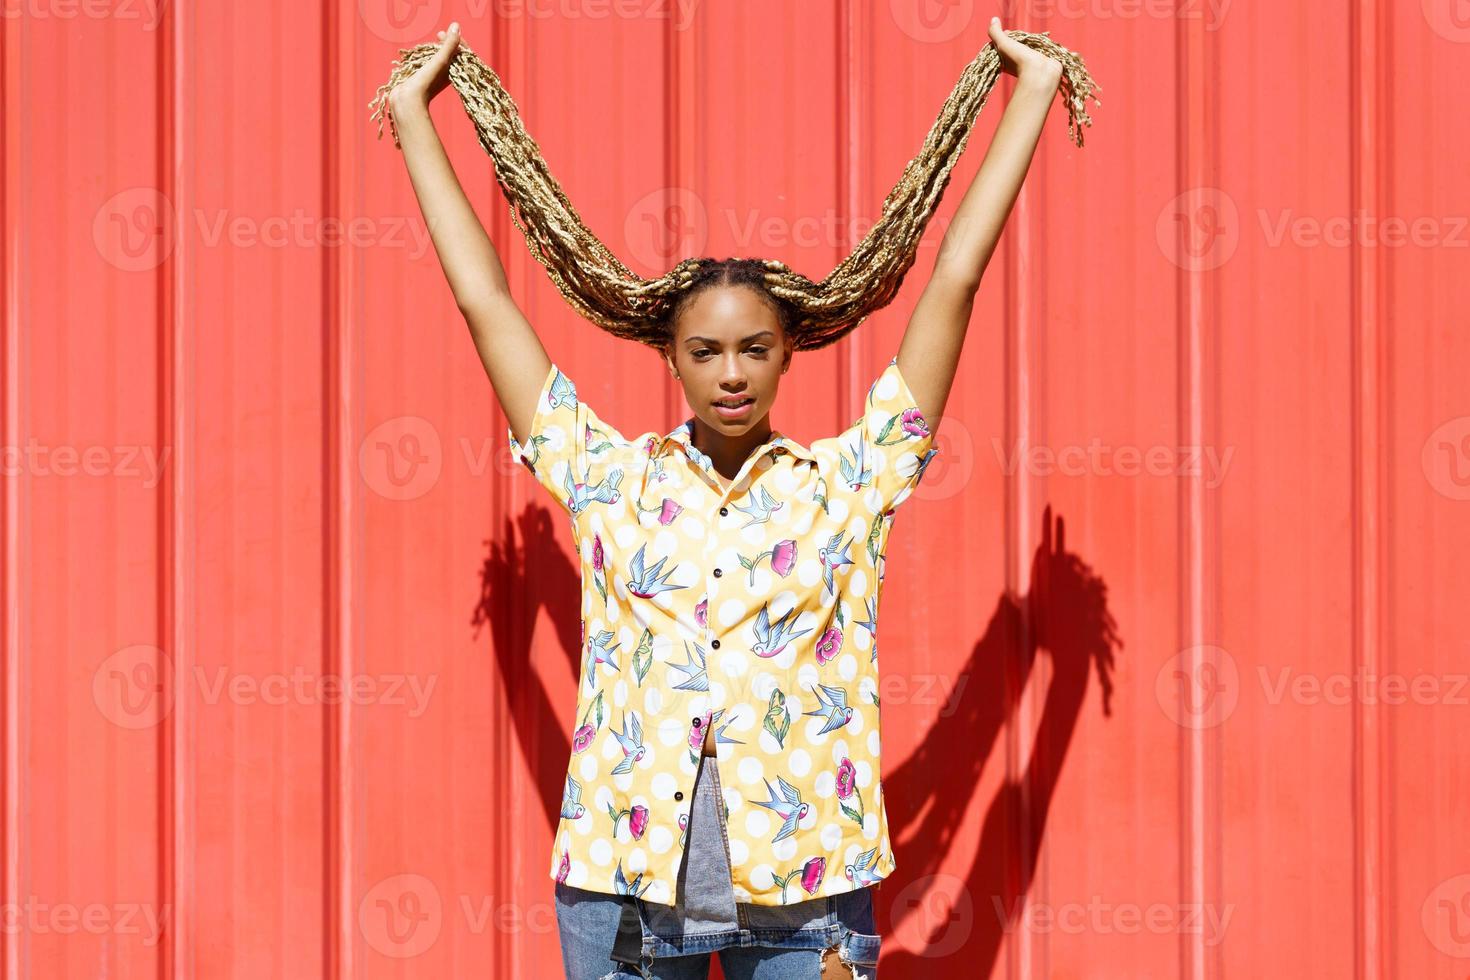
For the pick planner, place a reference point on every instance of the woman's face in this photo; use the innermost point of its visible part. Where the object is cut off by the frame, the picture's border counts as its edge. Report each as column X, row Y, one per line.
column 729, row 346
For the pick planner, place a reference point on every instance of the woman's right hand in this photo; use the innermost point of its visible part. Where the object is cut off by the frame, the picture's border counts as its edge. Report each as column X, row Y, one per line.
column 421, row 87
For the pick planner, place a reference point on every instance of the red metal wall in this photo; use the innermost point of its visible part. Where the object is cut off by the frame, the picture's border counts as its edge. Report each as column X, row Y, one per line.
column 1210, row 443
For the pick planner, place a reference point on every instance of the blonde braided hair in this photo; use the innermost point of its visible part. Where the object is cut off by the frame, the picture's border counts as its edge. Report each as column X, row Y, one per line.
column 608, row 293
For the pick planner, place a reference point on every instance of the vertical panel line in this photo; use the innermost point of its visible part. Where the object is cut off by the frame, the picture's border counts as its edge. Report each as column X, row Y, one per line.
column 16, row 495
column 1368, row 400
column 176, row 520
column 339, row 514
column 1198, row 410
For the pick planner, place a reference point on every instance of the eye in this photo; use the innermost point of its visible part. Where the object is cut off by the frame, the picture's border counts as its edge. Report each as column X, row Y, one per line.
column 701, row 352
column 758, row 349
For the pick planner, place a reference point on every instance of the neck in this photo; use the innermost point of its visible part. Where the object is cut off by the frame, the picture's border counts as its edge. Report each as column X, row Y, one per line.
column 727, row 452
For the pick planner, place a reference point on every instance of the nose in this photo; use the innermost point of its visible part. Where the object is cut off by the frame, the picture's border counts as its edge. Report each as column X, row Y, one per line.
column 732, row 375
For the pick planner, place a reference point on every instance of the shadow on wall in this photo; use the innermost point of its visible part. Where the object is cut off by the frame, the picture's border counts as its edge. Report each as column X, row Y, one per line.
column 1063, row 612
column 515, row 583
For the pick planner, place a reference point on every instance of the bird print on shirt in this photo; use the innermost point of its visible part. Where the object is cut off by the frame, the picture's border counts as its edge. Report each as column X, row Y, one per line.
column 580, row 495
column 598, row 652
column 762, row 506
column 695, row 676
column 788, row 805
column 770, row 639
column 858, row 471
column 833, row 556
column 861, row 872
column 834, row 707
column 630, row 740
column 622, row 886
column 571, row 800
column 647, row 583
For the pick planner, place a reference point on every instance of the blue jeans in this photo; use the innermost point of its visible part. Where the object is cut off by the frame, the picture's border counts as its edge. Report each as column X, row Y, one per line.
column 834, row 935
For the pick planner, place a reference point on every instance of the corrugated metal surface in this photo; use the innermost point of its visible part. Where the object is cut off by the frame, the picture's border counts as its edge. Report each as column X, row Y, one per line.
column 1211, row 441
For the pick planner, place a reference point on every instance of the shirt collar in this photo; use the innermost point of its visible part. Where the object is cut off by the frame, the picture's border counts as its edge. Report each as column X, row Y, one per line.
column 683, row 434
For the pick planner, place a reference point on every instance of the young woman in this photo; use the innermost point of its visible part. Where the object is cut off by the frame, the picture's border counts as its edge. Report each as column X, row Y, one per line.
column 723, row 792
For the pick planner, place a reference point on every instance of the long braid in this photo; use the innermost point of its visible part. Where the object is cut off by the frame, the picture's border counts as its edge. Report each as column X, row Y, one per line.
column 605, row 291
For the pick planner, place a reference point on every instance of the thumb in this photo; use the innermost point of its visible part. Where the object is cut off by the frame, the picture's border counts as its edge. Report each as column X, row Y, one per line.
column 448, row 42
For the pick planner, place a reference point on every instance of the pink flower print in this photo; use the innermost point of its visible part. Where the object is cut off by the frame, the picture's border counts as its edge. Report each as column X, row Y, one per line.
column 783, row 557
column 565, row 869
column 670, row 511
column 597, row 555
column 648, row 445
column 783, row 560
column 846, row 779
column 913, row 422
column 582, row 737
column 829, row 644
column 591, row 721
column 638, row 821
column 811, row 874
column 701, row 612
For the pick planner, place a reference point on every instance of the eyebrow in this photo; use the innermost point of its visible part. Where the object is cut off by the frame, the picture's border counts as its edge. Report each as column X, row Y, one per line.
column 711, row 340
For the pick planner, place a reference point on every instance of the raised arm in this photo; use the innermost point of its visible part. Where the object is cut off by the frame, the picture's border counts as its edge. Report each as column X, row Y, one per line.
column 930, row 351
column 507, row 343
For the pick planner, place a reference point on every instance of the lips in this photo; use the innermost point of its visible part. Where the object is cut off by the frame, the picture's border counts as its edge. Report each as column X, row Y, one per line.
column 735, row 411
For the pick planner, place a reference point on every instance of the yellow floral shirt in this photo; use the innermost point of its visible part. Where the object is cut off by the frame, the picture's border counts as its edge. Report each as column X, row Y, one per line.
column 753, row 609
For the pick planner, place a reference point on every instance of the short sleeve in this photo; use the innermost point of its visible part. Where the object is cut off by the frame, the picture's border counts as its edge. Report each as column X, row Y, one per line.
column 890, row 446
column 572, row 453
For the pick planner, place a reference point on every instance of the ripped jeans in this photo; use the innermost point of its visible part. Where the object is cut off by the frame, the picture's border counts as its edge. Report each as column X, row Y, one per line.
column 820, row 938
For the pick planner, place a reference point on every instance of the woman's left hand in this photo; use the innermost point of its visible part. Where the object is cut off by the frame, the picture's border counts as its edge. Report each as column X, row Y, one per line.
column 1021, row 61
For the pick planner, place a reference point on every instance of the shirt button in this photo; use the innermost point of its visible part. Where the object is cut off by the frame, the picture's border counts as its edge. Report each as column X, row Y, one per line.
column 679, row 795
column 715, row 644
column 718, row 573
column 724, row 512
